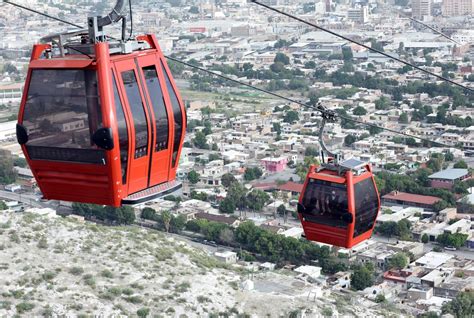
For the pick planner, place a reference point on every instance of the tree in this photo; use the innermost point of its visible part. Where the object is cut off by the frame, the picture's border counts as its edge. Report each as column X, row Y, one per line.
column 177, row 223
column 456, row 240
column 281, row 210
column 237, row 194
column 461, row 164
column 148, row 213
column 461, row 306
column 252, row 173
column 10, row 68
column 277, row 128
column 207, row 128
column 227, row 206
column 382, row 103
column 398, row 261
column 282, row 58
column 200, row 140
column 3, row 206
column 227, row 179
column 277, row 67
column 194, row 10
column 7, row 172
column 362, row 277
column 403, row 119
column 201, row 196
column 347, row 53
column 448, row 156
column 311, row 151
column 425, row 238
column 291, row 116
column 193, row 177
column 257, row 199
column 387, row 229
column 359, row 111
column 349, row 140
column 166, row 217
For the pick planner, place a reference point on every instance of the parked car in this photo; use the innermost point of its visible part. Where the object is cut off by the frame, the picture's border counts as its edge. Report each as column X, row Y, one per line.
column 450, row 248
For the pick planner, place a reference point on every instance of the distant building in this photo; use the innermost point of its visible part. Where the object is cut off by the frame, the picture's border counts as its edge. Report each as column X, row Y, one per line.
column 432, row 260
column 8, row 130
column 408, row 199
column 421, row 9
column 275, row 164
column 452, row 8
column 231, row 221
column 358, row 15
column 227, row 257
column 310, row 272
column 445, row 179
column 13, row 187
column 10, row 93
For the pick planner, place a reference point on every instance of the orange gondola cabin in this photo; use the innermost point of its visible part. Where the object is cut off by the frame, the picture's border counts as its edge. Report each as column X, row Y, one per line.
column 101, row 121
column 339, row 203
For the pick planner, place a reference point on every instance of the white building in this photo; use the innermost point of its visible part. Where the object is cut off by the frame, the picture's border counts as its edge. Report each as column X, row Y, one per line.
column 309, row 272
column 7, row 130
column 227, row 257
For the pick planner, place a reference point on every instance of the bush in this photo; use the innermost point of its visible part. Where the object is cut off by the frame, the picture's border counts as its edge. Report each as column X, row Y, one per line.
column 43, row 243
column 89, row 280
column 23, row 307
column 107, row 273
column 76, row 271
column 143, row 312
column 425, row 238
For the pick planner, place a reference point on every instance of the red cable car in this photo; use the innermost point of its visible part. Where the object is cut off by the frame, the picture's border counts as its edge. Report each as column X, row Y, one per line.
column 340, row 202
column 101, row 121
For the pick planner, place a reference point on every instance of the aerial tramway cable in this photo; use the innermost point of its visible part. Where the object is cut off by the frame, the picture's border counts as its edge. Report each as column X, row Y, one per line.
column 315, row 108
column 467, row 89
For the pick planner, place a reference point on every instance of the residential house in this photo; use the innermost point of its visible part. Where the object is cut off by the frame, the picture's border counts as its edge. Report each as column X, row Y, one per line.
column 408, row 199
column 445, row 179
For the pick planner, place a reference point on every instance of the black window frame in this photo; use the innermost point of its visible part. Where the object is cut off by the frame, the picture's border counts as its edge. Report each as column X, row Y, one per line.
column 177, row 115
column 366, row 203
column 139, row 116
column 80, row 85
column 160, row 111
column 124, row 139
column 319, row 204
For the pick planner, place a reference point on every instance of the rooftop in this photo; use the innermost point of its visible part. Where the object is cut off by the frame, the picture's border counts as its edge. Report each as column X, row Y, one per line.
column 449, row 174
column 413, row 198
column 433, row 259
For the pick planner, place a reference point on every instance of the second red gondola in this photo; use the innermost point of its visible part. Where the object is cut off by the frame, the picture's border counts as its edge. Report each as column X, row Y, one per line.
column 339, row 203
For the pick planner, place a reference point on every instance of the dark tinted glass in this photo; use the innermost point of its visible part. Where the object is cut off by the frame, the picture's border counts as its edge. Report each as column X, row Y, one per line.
column 325, row 203
column 366, row 206
column 178, row 117
column 123, row 133
column 159, row 108
column 62, row 112
column 138, row 113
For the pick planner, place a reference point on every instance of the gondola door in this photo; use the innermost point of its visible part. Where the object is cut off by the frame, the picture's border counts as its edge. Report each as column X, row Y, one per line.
column 159, row 106
column 140, row 123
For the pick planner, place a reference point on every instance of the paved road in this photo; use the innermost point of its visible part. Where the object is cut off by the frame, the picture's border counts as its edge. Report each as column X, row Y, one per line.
column 26, row 198
column 461, row 253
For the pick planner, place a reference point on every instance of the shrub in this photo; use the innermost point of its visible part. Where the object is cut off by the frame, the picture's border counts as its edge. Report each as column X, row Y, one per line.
column 143, row 312
column 107, row 273
column 76, row 271
column 89, row 280
column 43, row 243
column 23, row 307
column 134, row 299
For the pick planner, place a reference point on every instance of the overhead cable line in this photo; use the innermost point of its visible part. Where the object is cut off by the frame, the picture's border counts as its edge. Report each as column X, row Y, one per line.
column 423, row 24
column 315, row 108
column 43, row 14
column 467, row 89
